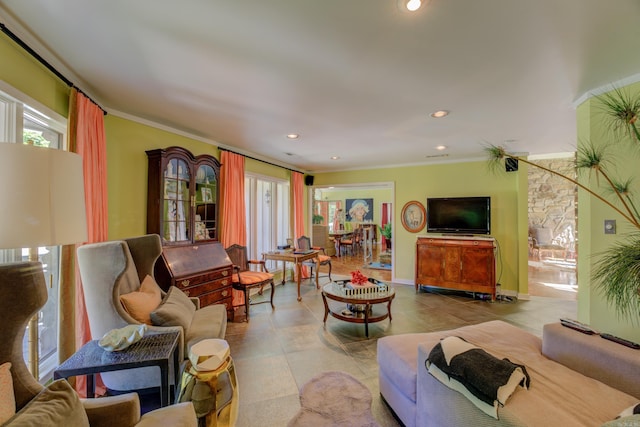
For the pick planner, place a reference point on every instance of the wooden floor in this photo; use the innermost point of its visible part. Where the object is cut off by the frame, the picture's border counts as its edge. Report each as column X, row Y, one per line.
column 347, row 263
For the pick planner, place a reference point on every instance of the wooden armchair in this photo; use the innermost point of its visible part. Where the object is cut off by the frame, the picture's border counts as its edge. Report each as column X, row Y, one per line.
column 244, row 278
column 304, row 244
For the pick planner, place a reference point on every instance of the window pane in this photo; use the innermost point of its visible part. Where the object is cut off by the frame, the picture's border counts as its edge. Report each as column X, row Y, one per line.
column 267, row 209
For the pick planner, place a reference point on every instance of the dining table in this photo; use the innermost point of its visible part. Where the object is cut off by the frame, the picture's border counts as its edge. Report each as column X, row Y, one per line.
column 337, row 236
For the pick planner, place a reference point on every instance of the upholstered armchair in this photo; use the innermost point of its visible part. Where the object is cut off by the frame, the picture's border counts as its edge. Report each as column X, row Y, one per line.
column 304, row 243
column 112, row 269
column 23, row 292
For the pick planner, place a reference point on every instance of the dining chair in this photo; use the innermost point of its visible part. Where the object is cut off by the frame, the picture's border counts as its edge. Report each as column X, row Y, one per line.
column 304, row 243
column 244, row 278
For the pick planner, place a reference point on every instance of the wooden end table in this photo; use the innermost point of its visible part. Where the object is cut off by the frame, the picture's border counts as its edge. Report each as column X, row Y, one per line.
column 154, row 349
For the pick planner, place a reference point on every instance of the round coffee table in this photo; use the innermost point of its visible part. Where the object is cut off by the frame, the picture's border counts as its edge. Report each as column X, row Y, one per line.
column 360, row 303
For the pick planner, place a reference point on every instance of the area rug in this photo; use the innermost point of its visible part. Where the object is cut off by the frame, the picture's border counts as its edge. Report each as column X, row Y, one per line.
column 335, row 399
column 378, row 266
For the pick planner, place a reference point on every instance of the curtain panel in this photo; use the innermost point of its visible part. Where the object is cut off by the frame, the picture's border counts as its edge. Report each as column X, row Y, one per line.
column 234, row 224
column 87, row 138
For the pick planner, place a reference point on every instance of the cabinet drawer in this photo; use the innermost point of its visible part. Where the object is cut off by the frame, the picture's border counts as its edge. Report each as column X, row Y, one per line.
column 210, row 276
column 216, row 298
column 204, row 288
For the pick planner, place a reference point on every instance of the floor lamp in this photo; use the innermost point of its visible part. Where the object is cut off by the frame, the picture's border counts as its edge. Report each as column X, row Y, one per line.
column 41, row 204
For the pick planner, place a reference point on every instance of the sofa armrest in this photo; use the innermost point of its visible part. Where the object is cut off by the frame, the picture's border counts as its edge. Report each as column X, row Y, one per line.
column 196, row 302
column 608, row 362
column 122, row 410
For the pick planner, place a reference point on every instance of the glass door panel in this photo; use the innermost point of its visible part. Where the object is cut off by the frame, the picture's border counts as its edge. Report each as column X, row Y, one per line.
column 206, row 192
column 176, row 201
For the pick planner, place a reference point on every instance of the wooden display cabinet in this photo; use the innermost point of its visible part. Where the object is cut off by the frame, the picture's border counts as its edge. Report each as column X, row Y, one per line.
column 183, row 194
column 182, row 207
column 452, row 262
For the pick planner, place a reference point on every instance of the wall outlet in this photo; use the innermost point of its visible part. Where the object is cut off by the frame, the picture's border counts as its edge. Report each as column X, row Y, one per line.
column 609, row 226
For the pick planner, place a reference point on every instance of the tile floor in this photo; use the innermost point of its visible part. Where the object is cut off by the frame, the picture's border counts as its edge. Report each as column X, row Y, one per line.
column 277, row 351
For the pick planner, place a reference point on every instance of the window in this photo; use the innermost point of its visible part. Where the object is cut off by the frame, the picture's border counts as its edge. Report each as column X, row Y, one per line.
column 267, row 205
column 24, row 120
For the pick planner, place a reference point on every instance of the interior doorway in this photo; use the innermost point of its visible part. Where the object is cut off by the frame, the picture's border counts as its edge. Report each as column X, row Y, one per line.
column 553, row 229
column 359, row 211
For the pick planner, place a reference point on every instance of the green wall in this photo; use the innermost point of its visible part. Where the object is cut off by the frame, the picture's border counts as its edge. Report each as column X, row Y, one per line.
column 592, row 241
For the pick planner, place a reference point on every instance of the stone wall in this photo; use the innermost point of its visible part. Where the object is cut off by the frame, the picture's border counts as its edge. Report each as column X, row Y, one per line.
column 552, row 201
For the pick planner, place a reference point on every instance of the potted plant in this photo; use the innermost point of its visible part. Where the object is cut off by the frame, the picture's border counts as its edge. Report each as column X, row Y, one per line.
column 617, row 271
column 386, row 232
column 318, row 219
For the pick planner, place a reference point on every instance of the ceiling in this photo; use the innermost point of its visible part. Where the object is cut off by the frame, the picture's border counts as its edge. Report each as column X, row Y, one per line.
column 356, row 79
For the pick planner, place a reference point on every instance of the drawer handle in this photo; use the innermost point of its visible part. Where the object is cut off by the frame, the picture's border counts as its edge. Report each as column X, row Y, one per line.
column 225, row 293
column 184, row 283
column 186, row 292
column 224, row 282
column 225, row 273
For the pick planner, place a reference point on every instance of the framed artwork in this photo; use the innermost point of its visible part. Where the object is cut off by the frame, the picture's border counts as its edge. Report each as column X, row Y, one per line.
column 359, row 210
column 414, row 216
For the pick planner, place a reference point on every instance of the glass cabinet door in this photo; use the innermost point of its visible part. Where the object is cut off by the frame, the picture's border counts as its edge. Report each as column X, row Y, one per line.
column 205, row 203
column 176, row 204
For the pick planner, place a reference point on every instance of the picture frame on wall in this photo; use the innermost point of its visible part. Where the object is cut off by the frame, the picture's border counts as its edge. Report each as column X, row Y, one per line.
column 414, row 216
column 359, row 210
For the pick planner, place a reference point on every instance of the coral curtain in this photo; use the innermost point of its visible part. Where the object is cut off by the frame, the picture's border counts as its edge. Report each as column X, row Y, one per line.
column 234, row 224
column 297, row 188
column 87, row 138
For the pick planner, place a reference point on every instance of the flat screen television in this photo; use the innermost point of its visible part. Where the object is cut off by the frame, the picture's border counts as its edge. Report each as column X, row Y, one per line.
column 459, row 215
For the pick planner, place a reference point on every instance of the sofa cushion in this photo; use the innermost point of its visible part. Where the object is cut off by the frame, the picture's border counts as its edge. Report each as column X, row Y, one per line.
column 139, row 304
column 178, row 415
column 208, row 322
column 176, row 309
column 7, row 398
column 56, row 405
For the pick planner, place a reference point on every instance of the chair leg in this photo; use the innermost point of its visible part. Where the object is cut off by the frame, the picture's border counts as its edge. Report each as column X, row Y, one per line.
column 330, row 272
column 273, row 289
column 246, row 302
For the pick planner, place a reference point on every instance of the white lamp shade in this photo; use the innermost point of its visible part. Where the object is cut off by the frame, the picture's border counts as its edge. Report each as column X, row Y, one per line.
column 41, row 197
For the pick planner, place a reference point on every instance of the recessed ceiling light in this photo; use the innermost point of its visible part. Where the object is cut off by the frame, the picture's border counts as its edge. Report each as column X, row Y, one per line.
column 334, row 157
column 413, row 5
column 441, row 147
column 293, row 136
column 439, row 114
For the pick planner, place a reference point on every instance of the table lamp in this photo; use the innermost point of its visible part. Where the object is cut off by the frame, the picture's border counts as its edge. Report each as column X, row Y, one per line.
column 41, row 204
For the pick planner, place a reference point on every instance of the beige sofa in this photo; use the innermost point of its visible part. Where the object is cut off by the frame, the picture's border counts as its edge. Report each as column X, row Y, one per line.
column 576, row 379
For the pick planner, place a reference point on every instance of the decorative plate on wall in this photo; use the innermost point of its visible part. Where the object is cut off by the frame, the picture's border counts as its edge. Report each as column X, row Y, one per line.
column 414, row 216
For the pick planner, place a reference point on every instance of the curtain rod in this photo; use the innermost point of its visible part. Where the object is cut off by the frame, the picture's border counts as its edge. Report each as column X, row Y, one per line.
column 40, row 59
column 259, row 160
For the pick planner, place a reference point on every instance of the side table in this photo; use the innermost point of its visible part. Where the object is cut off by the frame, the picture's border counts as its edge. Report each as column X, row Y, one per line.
column 154, row 349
